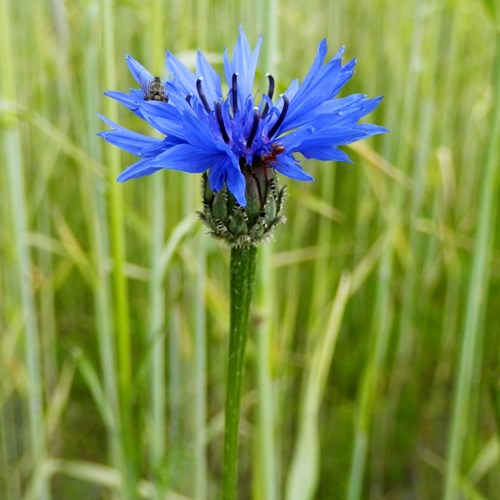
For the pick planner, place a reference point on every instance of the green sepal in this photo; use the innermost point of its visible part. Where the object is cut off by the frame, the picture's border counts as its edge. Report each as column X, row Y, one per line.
column 250, row 225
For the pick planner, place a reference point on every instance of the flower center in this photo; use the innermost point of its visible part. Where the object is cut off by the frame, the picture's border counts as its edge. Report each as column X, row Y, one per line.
column 234, row 92
column 257, row 116
column 270, row 93
column 281, row 117
column 220, row 121
column 255, row 126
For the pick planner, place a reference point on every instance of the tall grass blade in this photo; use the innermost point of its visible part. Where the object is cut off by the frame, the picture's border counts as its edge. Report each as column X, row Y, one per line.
column 476, row 296
column 11, row 138
column 303, row 476
column 116, row 210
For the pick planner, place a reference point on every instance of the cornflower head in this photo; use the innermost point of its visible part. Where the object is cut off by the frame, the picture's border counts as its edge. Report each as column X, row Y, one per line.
column 238, row 140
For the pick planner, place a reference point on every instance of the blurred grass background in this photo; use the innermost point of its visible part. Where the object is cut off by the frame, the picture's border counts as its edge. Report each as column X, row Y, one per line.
column 373, row 363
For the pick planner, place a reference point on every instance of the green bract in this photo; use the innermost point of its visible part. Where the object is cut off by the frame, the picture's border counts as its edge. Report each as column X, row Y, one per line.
column 250, row 225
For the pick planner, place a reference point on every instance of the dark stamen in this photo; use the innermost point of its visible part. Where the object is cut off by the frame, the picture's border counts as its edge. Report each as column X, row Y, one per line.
column 234, row 90
column 255, row 125
column 281, row 117
column 270, row 93
column 203, row 98
column 188, row 98
column 220, row 121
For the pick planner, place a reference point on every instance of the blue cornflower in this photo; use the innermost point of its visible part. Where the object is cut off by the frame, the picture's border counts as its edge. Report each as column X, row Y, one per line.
column 239, row 140
column 207, row 131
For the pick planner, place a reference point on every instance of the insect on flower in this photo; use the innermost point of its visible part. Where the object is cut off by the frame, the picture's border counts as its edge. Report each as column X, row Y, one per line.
column 155, row 91
column 270, row 158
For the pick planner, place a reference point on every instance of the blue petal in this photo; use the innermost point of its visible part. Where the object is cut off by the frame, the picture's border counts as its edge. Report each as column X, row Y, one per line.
column 138, row 169
column 328, row 153
column 336, row 136
column 228, row 68
column 321, row 84
column 340, row 105
column 316, row 65
column 245, row 64
column 142, row 76
column 286, row 165
column 187, row 158
column 159, row 147
column 218, row 174
column 294, row 140
column 292, row 89
column 321, row 144
column 212, row 83
column 226, row 170
column 198, row 133
column 164, row 117
column 353, row 113
column 370, row 129
column 166, row 124
column 129, row 141
column 128, row 100
column 177, row 96
column 184, row 80
column 160, row 109
column 236, row 183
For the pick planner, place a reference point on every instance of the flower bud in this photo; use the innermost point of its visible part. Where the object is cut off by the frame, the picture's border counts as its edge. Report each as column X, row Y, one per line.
column 250, row 225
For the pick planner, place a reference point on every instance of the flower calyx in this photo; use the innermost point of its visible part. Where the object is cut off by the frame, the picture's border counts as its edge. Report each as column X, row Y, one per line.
column 253, row 224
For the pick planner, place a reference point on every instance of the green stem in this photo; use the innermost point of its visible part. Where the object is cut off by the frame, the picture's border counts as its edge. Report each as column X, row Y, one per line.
column 241, row 289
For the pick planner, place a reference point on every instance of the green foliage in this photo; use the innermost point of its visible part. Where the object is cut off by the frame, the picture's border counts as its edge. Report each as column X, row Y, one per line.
column 494, row 10
column 373, row 360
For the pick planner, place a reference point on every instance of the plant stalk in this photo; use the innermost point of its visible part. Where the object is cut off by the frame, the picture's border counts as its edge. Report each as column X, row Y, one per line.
column 242, row 276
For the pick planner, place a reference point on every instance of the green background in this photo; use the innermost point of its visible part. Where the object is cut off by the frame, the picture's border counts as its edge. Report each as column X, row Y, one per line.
column 373, row 360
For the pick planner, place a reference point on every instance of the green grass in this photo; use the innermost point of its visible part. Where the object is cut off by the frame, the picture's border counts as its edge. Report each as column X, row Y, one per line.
column 373, row 358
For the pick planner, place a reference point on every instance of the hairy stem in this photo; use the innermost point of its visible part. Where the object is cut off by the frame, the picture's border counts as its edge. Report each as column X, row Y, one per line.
column 241, row 290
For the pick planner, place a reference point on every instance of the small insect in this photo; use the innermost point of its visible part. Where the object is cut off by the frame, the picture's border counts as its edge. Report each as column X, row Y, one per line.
column 155, row 91
column 276, row 149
